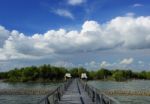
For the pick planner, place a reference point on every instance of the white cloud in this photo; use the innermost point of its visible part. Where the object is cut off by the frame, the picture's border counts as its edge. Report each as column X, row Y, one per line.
column 92, row 65
column 127, row 61
column 4, row 34
column 97, row 65
column 64, row 13
column 104, row 64
column 132, row 31
column 76, row 2
column 63, row 64
column 137, row 5
column 121, row 32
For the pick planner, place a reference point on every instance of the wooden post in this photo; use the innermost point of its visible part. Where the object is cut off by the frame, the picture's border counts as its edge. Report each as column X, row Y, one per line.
column 47, row 101
column 58, row 93
column 93, row 96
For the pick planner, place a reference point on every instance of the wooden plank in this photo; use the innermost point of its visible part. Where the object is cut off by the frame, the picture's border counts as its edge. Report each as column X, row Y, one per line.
column 75, row 94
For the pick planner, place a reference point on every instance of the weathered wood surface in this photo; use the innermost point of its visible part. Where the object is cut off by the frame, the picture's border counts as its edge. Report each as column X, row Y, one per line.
column 75, row 94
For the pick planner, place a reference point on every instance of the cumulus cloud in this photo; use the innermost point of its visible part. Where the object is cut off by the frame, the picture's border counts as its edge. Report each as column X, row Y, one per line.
column 127, row 61
column 76, row 2
column 63, row 64
column 123, row 64
column 120, row 32
column 104, row 64
column 4, row 34
column 92, row 65
column 64, row 13
column 137, row 5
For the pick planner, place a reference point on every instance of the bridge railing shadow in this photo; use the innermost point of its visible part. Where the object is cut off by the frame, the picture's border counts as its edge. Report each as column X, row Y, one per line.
column 55, row 96
column 97, row 96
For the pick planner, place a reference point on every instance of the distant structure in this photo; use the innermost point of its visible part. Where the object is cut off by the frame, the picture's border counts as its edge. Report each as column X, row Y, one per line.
column 84, row 76
column 67, row 76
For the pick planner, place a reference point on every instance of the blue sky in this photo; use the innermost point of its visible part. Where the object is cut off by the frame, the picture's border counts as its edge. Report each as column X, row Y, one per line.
column 89, row 33
column 32, row 16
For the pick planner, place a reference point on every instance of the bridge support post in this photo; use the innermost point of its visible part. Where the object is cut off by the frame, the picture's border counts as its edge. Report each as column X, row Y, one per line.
column 93, row 96
column 58, row 93
column 47, row 101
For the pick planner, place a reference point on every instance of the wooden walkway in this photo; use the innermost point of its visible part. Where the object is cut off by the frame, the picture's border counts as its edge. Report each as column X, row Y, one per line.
column 75, row 94
column 72, row 92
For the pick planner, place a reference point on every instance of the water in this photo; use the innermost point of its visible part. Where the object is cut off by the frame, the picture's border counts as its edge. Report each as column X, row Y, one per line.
column 19, row 99
column 24, row 99
column 129, row 85
column 133, row 99
column 102, row 85
column 4, row 85
column 134, row 85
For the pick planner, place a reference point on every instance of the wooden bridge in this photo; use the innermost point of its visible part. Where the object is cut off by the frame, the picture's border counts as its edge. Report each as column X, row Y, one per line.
column 77, row 91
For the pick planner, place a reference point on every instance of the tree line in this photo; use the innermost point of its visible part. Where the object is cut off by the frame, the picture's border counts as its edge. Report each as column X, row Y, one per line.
column 53, row 73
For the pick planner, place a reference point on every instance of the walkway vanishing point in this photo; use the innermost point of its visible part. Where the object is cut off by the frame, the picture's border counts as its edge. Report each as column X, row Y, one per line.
column 76, row 91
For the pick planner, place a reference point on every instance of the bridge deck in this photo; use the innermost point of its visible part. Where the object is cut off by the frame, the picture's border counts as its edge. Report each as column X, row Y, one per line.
column 75, row 94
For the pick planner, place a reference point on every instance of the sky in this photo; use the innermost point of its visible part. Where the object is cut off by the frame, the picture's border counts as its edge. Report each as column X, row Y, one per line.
column 113, row 34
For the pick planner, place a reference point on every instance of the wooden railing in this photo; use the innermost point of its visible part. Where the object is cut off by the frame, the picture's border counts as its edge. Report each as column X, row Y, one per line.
column 55, row 96
column 97, row 96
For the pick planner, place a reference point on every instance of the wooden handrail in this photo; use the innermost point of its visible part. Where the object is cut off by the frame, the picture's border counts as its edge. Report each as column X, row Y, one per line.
column 97, row 96
column 55, row 96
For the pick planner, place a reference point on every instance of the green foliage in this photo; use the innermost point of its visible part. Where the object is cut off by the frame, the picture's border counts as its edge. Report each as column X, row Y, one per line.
column 76, row 72
column 3, row 75
column 103, row 74
column 53, row 73
column 118, row 76
column 91, row 75
column 142, row 75
column 148, row 75
column 33, row 73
